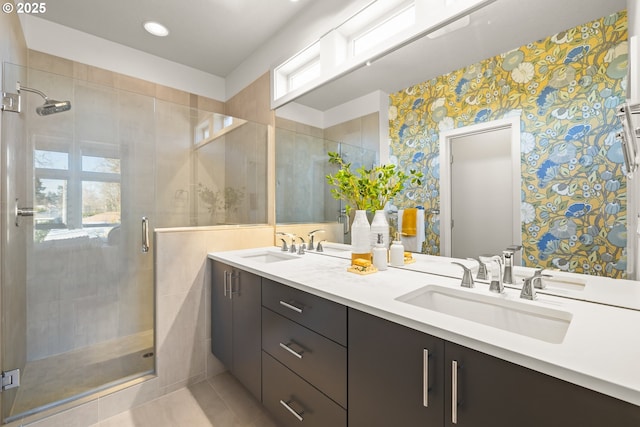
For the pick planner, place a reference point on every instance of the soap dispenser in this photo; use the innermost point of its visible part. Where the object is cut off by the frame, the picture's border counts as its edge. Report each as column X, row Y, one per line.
column 397, row 252
column 380, row 254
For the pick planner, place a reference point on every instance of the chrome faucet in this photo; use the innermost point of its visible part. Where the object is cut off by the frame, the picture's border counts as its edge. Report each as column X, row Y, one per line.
column 311, row 236
column 496, row 276
column 507, row 257
column 528, row 288
column 302, row 246
column 467, row 277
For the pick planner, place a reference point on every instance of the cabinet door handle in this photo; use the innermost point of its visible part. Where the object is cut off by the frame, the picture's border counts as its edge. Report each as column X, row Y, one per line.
column 291, row 307
column 425, row 378
column 224, row 284
column 290, row 350
column 232, row 276
column 290, row 409
column 454, row 392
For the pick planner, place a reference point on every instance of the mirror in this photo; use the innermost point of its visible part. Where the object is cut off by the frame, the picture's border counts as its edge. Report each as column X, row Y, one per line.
column 540, row 60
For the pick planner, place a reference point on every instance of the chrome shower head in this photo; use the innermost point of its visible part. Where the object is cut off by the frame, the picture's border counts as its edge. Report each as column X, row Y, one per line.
column 50, row 106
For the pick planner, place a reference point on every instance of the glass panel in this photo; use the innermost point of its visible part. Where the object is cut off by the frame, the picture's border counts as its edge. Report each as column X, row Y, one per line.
column 230, row 176
column 100, row 207
column 51, row 197
column 51, row 159
column 100, row 164
column 80, row 292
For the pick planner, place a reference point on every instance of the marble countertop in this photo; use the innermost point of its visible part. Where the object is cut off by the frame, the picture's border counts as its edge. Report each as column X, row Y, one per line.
column 600, row 351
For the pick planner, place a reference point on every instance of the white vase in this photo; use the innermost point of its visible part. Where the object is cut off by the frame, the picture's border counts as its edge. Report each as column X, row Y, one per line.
column 361, row 236
column 380, row 225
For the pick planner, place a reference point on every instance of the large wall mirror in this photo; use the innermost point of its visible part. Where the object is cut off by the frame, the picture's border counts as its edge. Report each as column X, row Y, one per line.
column 558, row 70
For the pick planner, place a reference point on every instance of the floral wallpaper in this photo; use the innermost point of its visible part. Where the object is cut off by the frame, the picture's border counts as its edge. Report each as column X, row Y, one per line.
column 567, row 87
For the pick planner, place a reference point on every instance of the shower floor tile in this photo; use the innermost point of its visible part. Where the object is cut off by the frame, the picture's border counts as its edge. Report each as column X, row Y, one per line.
column 67, row 375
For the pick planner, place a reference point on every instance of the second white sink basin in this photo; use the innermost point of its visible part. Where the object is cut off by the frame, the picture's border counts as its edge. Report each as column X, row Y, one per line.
column 270, row 256
column 532, row 320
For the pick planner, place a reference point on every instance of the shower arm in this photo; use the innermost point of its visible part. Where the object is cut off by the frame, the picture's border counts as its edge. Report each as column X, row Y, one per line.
column 11, row 101
column 28, row 89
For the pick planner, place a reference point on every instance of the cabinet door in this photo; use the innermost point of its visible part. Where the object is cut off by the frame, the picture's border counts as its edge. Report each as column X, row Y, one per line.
column 387, row 368
column 247, row 330
column 221, row 327
column 496, row 393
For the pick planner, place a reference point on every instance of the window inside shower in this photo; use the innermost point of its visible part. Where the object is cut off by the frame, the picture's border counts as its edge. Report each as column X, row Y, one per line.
column 76, row 190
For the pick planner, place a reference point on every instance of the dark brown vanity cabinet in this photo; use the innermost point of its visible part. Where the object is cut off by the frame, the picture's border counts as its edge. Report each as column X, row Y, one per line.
column 389, row 377
column 235, row 323
column 492, row 392
column 396, row 374
column 304, row 358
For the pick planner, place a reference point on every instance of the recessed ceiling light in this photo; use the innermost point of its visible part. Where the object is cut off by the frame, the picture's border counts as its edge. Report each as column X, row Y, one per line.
column 156, row 29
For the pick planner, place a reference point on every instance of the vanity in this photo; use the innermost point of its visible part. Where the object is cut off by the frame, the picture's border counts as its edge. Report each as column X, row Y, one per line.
column 323, row 347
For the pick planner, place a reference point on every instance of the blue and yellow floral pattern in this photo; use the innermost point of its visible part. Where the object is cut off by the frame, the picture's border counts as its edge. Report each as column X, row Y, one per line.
column 567, row 87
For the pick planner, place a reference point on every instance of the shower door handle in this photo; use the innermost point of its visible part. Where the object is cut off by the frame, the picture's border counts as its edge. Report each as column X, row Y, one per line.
column 22, row 212
column 145, row 234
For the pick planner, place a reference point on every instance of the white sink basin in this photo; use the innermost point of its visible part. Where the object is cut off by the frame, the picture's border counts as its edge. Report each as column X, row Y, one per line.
column 270, row 256
column 529, row 319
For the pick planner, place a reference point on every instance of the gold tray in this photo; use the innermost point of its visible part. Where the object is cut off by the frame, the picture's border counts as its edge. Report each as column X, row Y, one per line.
column 356, row 270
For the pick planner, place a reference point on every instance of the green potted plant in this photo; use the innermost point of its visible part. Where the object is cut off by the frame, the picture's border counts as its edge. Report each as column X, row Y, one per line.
column 368, row 190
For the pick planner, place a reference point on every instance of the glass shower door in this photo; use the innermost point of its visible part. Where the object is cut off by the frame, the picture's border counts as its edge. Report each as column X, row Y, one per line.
column 77, row 288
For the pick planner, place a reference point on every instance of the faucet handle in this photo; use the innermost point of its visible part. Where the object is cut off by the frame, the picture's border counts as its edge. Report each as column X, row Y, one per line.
column 537, row 278
column 482, row 268
column 528, row 289
column 467, row 277
column 284, row 247
column 312, row 235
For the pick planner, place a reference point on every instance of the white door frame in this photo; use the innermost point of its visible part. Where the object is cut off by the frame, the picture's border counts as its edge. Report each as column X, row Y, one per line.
column 446, row 137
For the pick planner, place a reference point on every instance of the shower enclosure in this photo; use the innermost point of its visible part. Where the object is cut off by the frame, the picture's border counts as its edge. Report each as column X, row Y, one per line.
column 302, row 164
column 82, row 191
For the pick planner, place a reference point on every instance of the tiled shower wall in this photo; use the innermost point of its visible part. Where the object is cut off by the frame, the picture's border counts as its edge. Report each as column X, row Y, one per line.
column 182, row 309
column 69, row 311
column 303, row 195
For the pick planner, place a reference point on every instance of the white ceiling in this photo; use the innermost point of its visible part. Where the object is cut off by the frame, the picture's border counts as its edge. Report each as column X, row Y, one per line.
column 216, row 36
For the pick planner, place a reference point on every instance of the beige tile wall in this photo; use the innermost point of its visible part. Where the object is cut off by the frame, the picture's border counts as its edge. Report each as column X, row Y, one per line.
column 54, row 64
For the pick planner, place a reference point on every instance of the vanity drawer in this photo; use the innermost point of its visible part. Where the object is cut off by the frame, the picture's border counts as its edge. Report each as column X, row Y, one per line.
column 315, row 358
column 306, row 405
column 323, row 316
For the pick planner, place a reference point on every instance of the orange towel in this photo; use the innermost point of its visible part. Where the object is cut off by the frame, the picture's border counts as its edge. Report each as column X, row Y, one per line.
column 409, row 222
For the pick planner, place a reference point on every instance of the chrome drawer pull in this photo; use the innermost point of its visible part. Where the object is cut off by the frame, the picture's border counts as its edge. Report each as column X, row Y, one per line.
column 291, row 307
column 224, row 284
column 425, row 378
column 290, row 350
column 290, row 409
column 454, row 392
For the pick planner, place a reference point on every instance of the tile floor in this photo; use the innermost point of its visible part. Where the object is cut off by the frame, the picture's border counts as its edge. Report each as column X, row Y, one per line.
column 220, row 401
column 74, row 373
